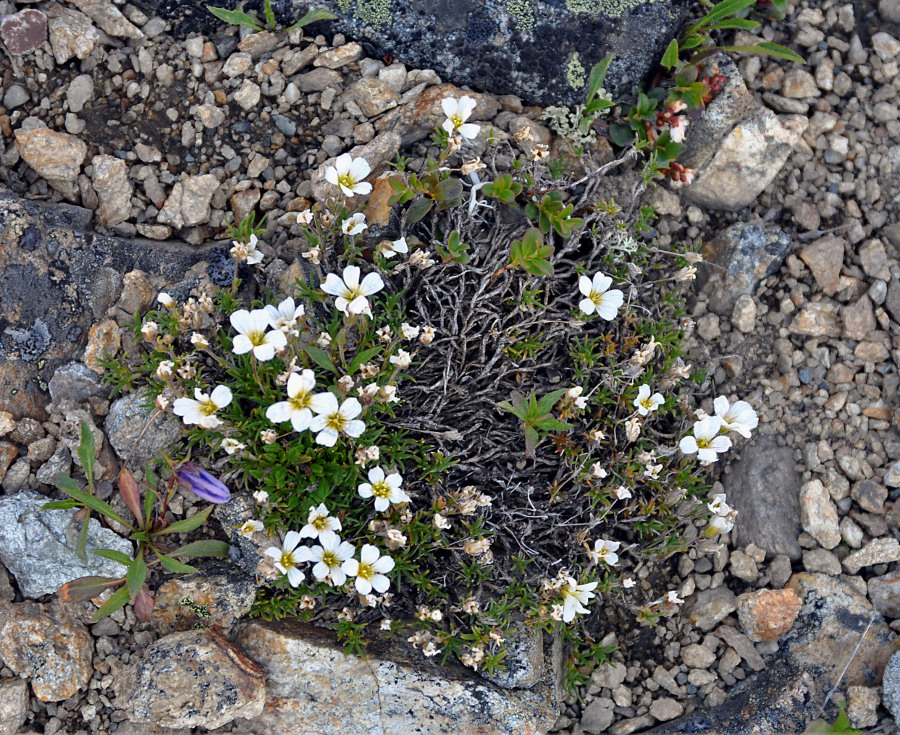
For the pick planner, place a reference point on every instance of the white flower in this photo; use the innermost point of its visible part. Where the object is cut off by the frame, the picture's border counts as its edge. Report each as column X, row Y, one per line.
column 739, row 416
column 320, row 524
column 408, row 331
column 706, row 442
column 370, row 570
column 166, row 300
column 402, row 359
column 288, row 557
column 247, row 252
column 250, row 527
column 575, row 597
column 261, row 497
column 198, row 340
column 574, row 392
column 672, row 598
column 202, row 411
column 430, row 649
column 645, row 403
column 304, row 217
column 623, row 493
column 440, row 523
column 598, row 471
column 652, row 471
column 427, row 335
column 296, row 408
column 232, row 446
column 390, row 248
column 328, row 556
column 718, row 505
column 628, row 583
column 598, row 296
column 386, row 489
column 351, row 294
column 252, row 336
column 457, row 112
column 285, row 316
column 348, row 173
column 605, row 551
column 332, row 420
column 717, row 525
column 150, row 331
column 164, row 370
column 355, row 224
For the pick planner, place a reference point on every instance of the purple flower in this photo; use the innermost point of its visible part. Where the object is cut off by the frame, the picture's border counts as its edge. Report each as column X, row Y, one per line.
column 201, row 483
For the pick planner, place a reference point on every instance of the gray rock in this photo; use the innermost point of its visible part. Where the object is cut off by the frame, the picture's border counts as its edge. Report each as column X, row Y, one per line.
column 188, row 203
column 76, row 382
column 712, row 606
column 878, row 551
column 764, row 486
column 891, row 686
column 315, row 688
column 194, row 678
column 889, row 10
column 745, row 254
column 127, row 419
column 609, row 676
column 113, row 189
column 818, row 514
column 38, row 547
column 13, row 705
column 60, row 462
column 884, row 592
column 524, row 661
column 597, row 716
column 80, row 92
column 16, row 95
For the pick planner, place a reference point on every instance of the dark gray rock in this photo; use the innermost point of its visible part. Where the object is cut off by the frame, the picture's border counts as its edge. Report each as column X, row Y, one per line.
column 891, row 686
column 58, row 279
column 539, row 50
column 128, row 433
column 76, row 382
column 764, row 487
column 38, row 547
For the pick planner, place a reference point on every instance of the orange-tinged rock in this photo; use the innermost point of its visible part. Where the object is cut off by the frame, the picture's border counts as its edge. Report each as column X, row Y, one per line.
column 378, row 210
column 104, row 341
column 52, row 155
column 766, row 615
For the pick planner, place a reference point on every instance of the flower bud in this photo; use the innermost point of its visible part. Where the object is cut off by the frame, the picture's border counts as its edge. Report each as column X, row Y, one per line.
column 150, row 331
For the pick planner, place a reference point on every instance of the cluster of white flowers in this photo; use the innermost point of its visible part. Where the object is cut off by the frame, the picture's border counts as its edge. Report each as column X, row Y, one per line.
column 722, row 520
column 333, row 560
column 709, row 439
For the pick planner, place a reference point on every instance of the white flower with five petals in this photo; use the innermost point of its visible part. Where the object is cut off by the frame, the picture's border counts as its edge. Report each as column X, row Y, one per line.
column 386, row 489
column 457, row 112
column 645, row 403
column 289, row 557
column 328, row 556
column 348, row 175
column 331, row 420
column 296, row 408
column 598, row 297
column 369, row 570
column 350, row 292
column 575, row 597
column 738, row 416
column 706, row 442
column 285, row 316
column 354, row 225
column 605, row 551
column 201, row 410
column 320, row 524
column 253, row 334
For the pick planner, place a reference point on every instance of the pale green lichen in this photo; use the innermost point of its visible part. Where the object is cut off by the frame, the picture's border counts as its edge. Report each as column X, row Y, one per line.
column 565, row 122
column 523, row 13
column 612, row 8
column 376, row 13
column 575, row 74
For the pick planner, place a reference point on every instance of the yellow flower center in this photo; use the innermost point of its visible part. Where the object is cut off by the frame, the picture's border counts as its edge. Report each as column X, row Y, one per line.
column 208, row 407
column 287, row 560
column 647, row 403
column 457, row 120
column 329, row 558
column 704, row 443
column 347, row 180
column 381, row 489
column 300, row 401
column 597, row 297
column 366, row 571
column 320, row 523
column 256, row 338
column 336, row 421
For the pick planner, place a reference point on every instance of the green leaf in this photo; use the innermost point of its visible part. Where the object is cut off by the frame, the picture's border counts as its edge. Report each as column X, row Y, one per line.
column 203, row 548
column 81, row 546
column 670, row 57
column 137, row 573
column 96, row 504
column 321, row 358
column 311, row 17
column 149, row 500
column 86, row 588
column 598, row 75
column 722, row 10
column 65, row 483
column 362, row 357
column 86, row 452
column 188, row 524
column 118, row 599
column 767, row 49
column 621, row 134
column 448, row 191
column 173, row 565
column 114, row 555
column 546, row 404
column 61, row 505
column 235, row 18
column 551, row 424
column 418, row 209
column 532, row 439
column 743, row 23
column 270, row 15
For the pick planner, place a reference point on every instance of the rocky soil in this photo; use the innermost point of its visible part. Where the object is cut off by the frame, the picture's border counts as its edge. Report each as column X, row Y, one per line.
column 165, row 139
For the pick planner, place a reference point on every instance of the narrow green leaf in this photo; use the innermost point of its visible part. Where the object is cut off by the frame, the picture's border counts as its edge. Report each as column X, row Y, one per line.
column 670, row 57
column 86, row 588
column 188, row 524
column 598, row 76
column 137, row 573
column 114, row 555
column 742, row 23
column 722, row 10
column 321, row 358
column 86, row 452
column 149, row 500
column 361, row 358
column 767, row 49
column 235, row 18
column 173, row 565
column 270, row 15
column 311, row 17
column 100, row 506
column 118, row 599
column 551, row 424
column 65, row 483
column 61, row 505
column 546, row 404
column 207, row 547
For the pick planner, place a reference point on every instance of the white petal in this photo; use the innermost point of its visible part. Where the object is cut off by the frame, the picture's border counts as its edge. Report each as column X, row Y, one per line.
column 381, row 504
column 363, row 187
column 469, row 131
column 607, row 310
column 333, row 285
column 707, row 455
column 343, row 163
column 291, row 540
column 241, row 321
column 380, row 583
column 376, row 474
column 327, row 437
column 351, row 276
column 358, row 306
column 295, row 576
column 279, row 412
column 369, row 554
column 184, row 405
column 364, row 490
column 466, row 106
column 383, row 565
column 300, row 419
column 264, row 352
column 338, row 576
column 350, row 408
column 324, row 403
column 688, row 445
column 601, row 282
column 275, row 338
column 320, row 570
column 363, row 586
column 241, row 344
column 359, row 169
column 331, row 175
column 351, row 567
column 371, row 284
column 721, row 406
column 587, row 306
column 449, row 105
column 221, row 396
column 584, row 285
column 720, row 444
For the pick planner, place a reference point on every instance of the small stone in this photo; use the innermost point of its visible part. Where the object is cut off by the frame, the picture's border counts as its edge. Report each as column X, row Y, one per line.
column 55, row 652
column 154, row 232
column 858, row 319
column 236, row 64
column 104, row 341
column 886, row 46
column 889, row 10
column 711, row 606
column 71, row 34
column 80, row 92
column 374, row 96
column 884, row 592
column 824, row 258
column 52, row 155
column 879, row 551
column 708, row 327
column 766, row 615
column 7, row 423
column 59, row 463
column 851, row 533
column 318, row 79
column 780, row 570
column 874, row 352
column 13, row 705
column 15, row 96
column 742, row 645
column 597, row 717
column 744, row 315
column 147, row 153
column 821, row 561
column 8, row 452
column 113, row 189
column 609, row 676
column 874, row 259
column 697, row 656
column 743, row 567
column 210, row 116
column 666, row 709
column 818, row 516
column 891, row 686
column 870, row 496
column 188, row 203
column 23, row 32
column 862, row 706
column 108, row 17
column 337, row 57
column 247, row 95
column 257, row 44
column 817, row 319
column 798, row 84
column 125, row 423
